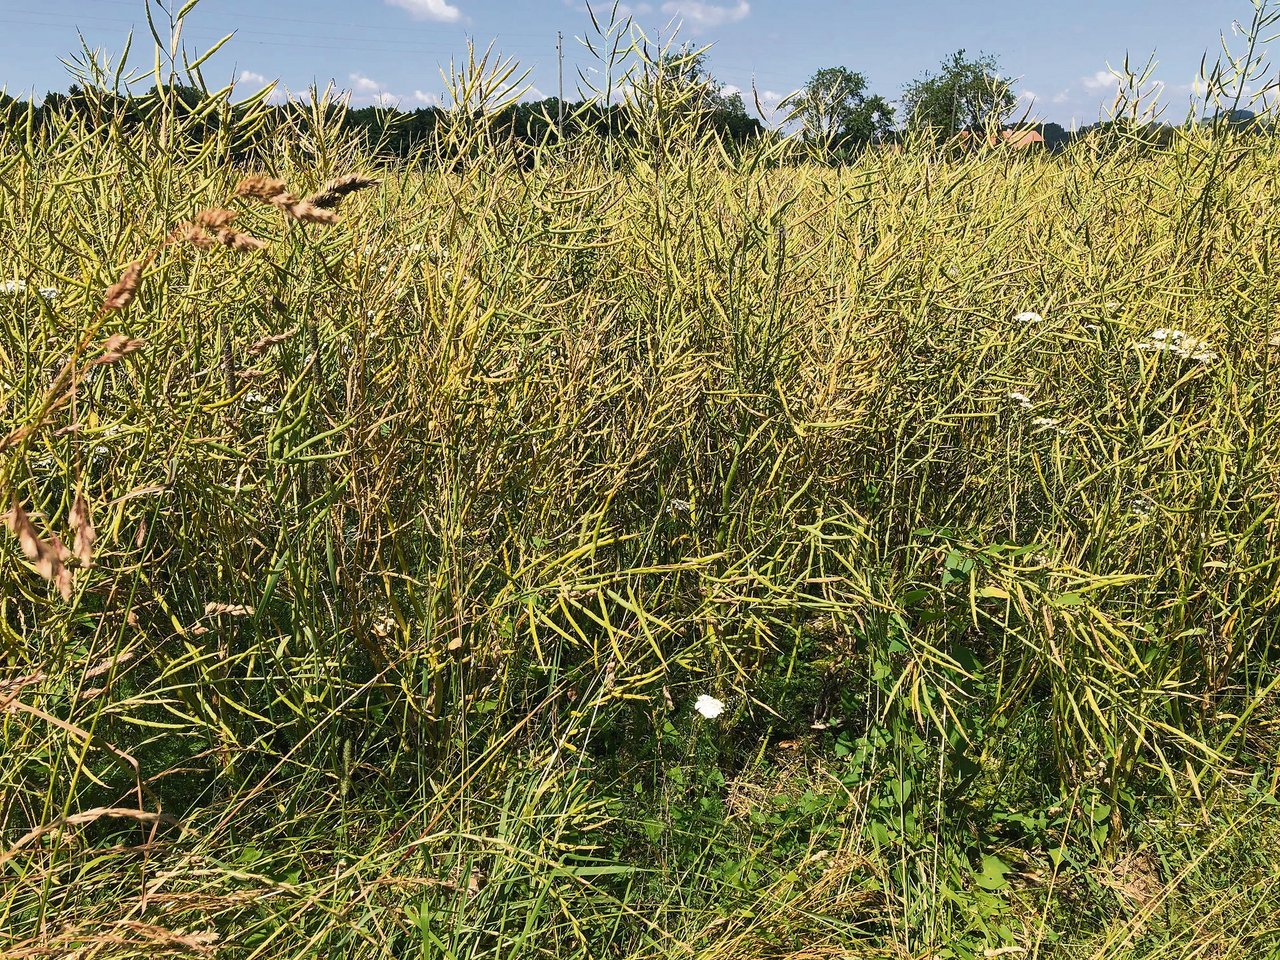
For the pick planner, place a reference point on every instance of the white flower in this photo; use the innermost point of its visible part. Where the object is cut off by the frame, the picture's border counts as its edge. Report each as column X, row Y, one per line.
column 15, row 287
column 1021, row 399
column 709, row 707
column 1028, row 316
column 1178, row 342
column 1045, row 423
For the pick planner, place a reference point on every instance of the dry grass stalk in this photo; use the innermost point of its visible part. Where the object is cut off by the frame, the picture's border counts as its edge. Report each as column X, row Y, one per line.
column 82, row 527
column 272, row 340
column 121, row 293
column 116, row 347
column 15, row 437
column 214, row 219
column 230, row 609
column 331, row 194
column 192, row 234
column 272, row 191
column 305, row 212
column 48, row 557
column 261, row 187
column 212, row 227
column 236, row 240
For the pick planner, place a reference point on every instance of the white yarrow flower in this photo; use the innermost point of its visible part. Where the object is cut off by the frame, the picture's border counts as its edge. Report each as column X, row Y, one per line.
column 709, row 707
column 1028, row 316
column 1179, row 343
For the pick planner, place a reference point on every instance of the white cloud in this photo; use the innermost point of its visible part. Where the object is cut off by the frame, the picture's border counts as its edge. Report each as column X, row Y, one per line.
column 360, row 84
column 429, row 9
column 1062, row 97
column 1102, row 80
column 248, row 76
column 426, row 99
column 698, row 14
column 367, row 91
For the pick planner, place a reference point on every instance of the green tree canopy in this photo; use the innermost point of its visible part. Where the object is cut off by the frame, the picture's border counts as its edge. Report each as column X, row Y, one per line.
column 837, row 111
column 966, row 94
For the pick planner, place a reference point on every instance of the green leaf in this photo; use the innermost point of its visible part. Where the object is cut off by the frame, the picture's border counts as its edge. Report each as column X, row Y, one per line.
column 992, row 876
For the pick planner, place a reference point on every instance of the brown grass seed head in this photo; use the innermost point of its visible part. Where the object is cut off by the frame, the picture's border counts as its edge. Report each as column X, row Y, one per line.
column 116, row 347
column 48, row 557
column 332, row 192
column 82, row 527
column 121, row 293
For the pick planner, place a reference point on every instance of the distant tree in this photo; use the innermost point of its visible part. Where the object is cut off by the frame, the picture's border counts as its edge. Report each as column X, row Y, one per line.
column 837, row 112
column 966, row 94
column 684, row 76
column 1055, row 135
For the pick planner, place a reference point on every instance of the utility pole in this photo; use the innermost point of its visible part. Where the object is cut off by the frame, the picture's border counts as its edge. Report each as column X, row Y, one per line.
column 560, row 57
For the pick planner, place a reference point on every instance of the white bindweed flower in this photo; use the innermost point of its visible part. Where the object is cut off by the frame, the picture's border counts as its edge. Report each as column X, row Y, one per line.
column 1028, row 316
column 709, row 707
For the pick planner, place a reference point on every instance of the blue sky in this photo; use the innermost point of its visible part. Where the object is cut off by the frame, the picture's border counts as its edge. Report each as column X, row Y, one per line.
column 392, row 50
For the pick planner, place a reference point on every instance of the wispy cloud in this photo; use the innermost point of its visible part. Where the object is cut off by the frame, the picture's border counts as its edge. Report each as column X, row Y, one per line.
column 429, row 9
column 700, row 15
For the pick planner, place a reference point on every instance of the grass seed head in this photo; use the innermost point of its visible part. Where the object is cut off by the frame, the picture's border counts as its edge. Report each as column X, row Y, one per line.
column 48, row 557
column 272, row 340
column 228, row 609
column 116, row 347
column 236, row 240
column 214, row 219
column 82, row 527
column 261, row 187
column 331, row 194
column 304, row 211
column 192, row 234
column 121, row 293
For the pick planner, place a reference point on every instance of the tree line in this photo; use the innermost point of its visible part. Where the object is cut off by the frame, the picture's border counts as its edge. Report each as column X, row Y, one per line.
column 836, row 113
